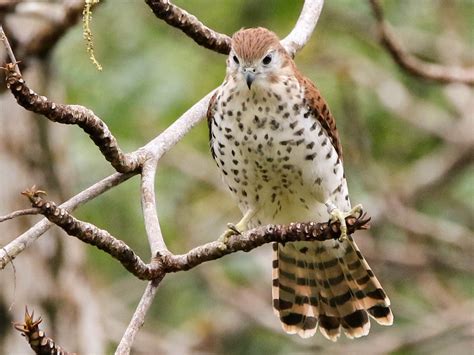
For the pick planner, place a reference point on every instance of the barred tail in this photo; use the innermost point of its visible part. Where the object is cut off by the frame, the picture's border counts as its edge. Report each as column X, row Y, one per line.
column 327, row 284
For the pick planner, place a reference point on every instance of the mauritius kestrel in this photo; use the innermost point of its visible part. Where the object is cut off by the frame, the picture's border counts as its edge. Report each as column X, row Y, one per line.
column 275, row 142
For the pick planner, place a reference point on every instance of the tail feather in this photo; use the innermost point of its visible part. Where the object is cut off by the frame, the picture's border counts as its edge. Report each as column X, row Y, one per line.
column 327, row 284
column 296, row 311
column 329, row 318
column 308, row 310
column 352, row 318
column 355, row 323
column 370, row 291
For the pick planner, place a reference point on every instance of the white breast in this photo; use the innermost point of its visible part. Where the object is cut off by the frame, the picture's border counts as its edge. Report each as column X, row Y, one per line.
column 274, row 155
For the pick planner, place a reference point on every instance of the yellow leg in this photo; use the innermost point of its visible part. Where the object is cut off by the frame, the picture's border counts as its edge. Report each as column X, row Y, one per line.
column 235, row 229
column 338, row 215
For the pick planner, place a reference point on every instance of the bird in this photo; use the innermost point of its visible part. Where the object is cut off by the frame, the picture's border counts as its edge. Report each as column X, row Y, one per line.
column 275, row 142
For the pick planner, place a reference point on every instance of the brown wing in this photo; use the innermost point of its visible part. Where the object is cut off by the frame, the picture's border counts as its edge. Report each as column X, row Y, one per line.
column 321, row 111
column 211, row 109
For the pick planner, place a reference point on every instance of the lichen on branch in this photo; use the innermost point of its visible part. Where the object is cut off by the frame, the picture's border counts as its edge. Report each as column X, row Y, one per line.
column 87, row 32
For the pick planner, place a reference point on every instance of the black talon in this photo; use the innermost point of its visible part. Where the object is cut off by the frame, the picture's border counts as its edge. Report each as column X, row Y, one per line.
column 233, row 228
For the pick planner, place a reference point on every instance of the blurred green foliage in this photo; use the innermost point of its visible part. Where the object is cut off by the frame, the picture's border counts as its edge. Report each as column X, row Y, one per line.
column 153, row 73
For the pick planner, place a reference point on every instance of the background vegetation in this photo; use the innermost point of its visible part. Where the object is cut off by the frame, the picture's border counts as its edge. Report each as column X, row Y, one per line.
column 393, row 129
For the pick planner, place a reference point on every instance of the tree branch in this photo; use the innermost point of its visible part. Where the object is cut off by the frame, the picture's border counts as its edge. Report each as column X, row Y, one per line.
column 72, row 114
column 138, row 318
column 90, row 234
column 413, row 65
column 152, row 224
column 220, row 43
column 144, row 160
column 46, row 38
column 157, row 147
column 9, row 50
column 304, row 27
column 37, row 339
column 26, row 212
column 167, row 262
column 256, row 237
column 178, row 129
column 15, row 247
column 190, row 25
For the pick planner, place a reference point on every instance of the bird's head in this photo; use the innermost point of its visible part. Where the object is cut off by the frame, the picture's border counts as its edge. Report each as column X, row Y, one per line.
column 257, row 57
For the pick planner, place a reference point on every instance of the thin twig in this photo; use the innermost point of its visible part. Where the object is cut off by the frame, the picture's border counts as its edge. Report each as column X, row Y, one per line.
column 9, row 50
column 87, row 32
column 15, row 247
column 138, row 318
column 25, row 212
column 413, row 65
column 14, row 280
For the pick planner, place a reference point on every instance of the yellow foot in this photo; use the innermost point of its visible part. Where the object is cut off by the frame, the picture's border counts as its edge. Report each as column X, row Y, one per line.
column 224, row 238
column 338, row 216
column 235, row 229
column 230, row 231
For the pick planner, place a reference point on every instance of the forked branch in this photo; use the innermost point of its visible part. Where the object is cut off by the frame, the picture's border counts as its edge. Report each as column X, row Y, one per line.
column 144, row 161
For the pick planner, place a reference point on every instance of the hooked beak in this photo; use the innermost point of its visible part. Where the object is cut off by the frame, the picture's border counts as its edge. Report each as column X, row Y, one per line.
column 249, row 78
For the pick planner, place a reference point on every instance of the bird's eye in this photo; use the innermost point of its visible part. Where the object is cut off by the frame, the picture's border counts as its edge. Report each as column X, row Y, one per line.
column 236, row 60
column 267, row 59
